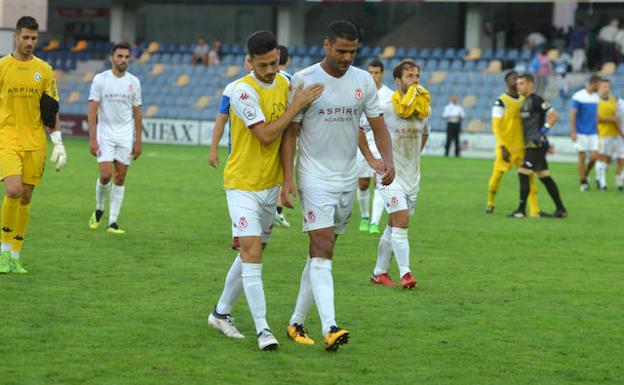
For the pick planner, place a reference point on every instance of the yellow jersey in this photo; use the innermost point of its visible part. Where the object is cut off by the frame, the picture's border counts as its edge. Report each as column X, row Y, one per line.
column 21, row 85
column 506, row 122
column 607, row 108
column 252, row 166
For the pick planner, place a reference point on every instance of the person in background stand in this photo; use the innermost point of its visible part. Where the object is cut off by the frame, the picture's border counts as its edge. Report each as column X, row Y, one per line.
column 453, row 114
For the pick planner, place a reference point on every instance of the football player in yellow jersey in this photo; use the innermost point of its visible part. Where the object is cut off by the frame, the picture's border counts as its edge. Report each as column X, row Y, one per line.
column 507, row 128
column 252, row 177
column 28, row 103
column 608, row 135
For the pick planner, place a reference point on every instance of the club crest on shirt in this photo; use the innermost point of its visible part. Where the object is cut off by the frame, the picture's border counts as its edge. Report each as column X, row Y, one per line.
column 359, row 95
column 37, row 76
column 250, row 112
column 130, row 88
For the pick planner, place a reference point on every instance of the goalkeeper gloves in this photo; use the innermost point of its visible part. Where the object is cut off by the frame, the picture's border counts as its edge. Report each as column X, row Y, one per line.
column 58, row 151
column 545, row 129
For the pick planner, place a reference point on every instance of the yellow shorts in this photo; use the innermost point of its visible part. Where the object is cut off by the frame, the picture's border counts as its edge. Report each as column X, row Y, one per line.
column 515, row 159
column 28, row 164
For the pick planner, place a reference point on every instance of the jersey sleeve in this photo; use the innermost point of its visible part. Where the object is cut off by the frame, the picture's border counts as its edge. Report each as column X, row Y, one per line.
column 542, row 105
column 295, row 82
column 371, row 108
column 245, row 105
column 50, row 84
column 574, row 104
column 95, row 93
column 137, row 100
column 498, row 111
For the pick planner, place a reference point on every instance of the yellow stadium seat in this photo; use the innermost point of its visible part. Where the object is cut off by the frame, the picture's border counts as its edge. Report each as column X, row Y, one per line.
column 154, row 46
column 232, row 71
column 145, row 57
column 80, row 46
column 202, row 102
column 553, row 54
column 388, row 52
column 73, row 97
column 494, row 67
column 474, row 125
column 88, row 77
column 607, row 69
column 52, row 45
column 182, row 80
column 151, row 111
column 438, row 77
column 473, row 54
column 469, row 101
column 157, row 69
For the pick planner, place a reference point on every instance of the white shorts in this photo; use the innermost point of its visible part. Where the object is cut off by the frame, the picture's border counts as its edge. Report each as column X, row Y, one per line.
column 611, row 146
column 252, row 212
column 396, row 199
column 112, row 149
column 323, row 209
column 586, row 143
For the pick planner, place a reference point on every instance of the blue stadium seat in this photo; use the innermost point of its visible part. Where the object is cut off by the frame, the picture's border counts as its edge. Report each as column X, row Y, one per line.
column 526, row 54
column 470, row 65
column 431, row 65
column 425, row 53
column 412, row 53
column 512, row 55
column 488, row 54
column 461, row 53
column 456, row 65
column 437, row 53
column 450, row 53
column 444, row 65
column 401, row 53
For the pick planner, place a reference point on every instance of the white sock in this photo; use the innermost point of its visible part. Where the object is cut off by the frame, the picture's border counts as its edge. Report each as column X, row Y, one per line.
column 6, row 246
column 599, row 170
column 619, row 180
column 401, row 248
column 116, row 198
column 304, row 298
column 101, row 192
column 603, row 174
column 232, row 288
column 378, row 208
column 384, row 252
column 252, row 283
column 364, row 201
column 15, row 254
column 323, row 290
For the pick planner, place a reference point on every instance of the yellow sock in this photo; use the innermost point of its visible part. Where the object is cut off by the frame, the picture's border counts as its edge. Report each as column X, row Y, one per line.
column 532, row 199
column 9, row 213
column 493, row 186
column 23, row 215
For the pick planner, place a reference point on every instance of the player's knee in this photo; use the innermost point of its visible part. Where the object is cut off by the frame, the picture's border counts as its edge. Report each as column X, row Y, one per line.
column 105, row 178
column 363, row 184
column 323, row 247
column 13, row 192
column 120, row 179
column 26, row 197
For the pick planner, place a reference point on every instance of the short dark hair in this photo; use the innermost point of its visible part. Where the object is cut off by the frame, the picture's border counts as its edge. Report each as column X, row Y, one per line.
column 284, row 54
column 376, row 63
column 27, row 22
column 606, row 80
column 261, row 42
column 341, row 29
column 404, row 64
column 594, row 79
column 510, row 74
column 119, row 46
column 528, row 77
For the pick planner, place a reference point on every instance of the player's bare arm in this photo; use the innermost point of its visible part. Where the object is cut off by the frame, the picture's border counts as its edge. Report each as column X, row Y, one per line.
column 287, row 153
column 384, row 145
column 92, row 121
column 376, row 164
column 217, row 133
column 573, row 124
column 425, row 137
column 267, row 133
column 138, row 131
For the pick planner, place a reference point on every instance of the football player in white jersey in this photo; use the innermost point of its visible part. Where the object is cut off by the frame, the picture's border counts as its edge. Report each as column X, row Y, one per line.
column 329, row 134
column 115, row 125
column 409, row 136
column 365, row 171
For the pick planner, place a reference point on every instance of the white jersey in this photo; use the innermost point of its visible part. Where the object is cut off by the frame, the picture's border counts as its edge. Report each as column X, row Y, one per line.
column 406, row 137
column 117, row 97
column 328, row 137
column 385, row 95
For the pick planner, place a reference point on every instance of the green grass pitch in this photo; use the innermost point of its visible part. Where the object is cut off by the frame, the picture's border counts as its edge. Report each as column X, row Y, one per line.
column 499, row 301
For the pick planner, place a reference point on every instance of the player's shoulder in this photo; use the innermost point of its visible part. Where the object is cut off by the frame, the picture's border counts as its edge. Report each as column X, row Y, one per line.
column 310, row 70
column 101, row 76
column 133, row 78
column 42, row 64
column 359, row 74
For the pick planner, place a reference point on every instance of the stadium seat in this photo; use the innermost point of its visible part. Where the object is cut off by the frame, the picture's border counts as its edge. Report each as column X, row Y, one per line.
column 157, row 69
column 202, row 102
column 232, row 71
column 470, row 65
column 607, row 69
column 153, row 46
column 488, row 54
column 182, row 80
column 74, row 96
column 553, row 54
column 80, row 46
column 444, row 65
column 473, row 54
column 425, row 53
column 456, row 65
column 449, row 53
column 52, row 45
column 388, row 52
column 412, row 53
column 437, row 53
column 437, row 77
column 469, row 101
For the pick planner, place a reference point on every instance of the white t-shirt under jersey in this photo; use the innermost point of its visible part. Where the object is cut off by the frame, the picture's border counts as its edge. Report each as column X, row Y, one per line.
column 384, row 94
column 328, row 137
column 406, row 135
column 117, row 97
